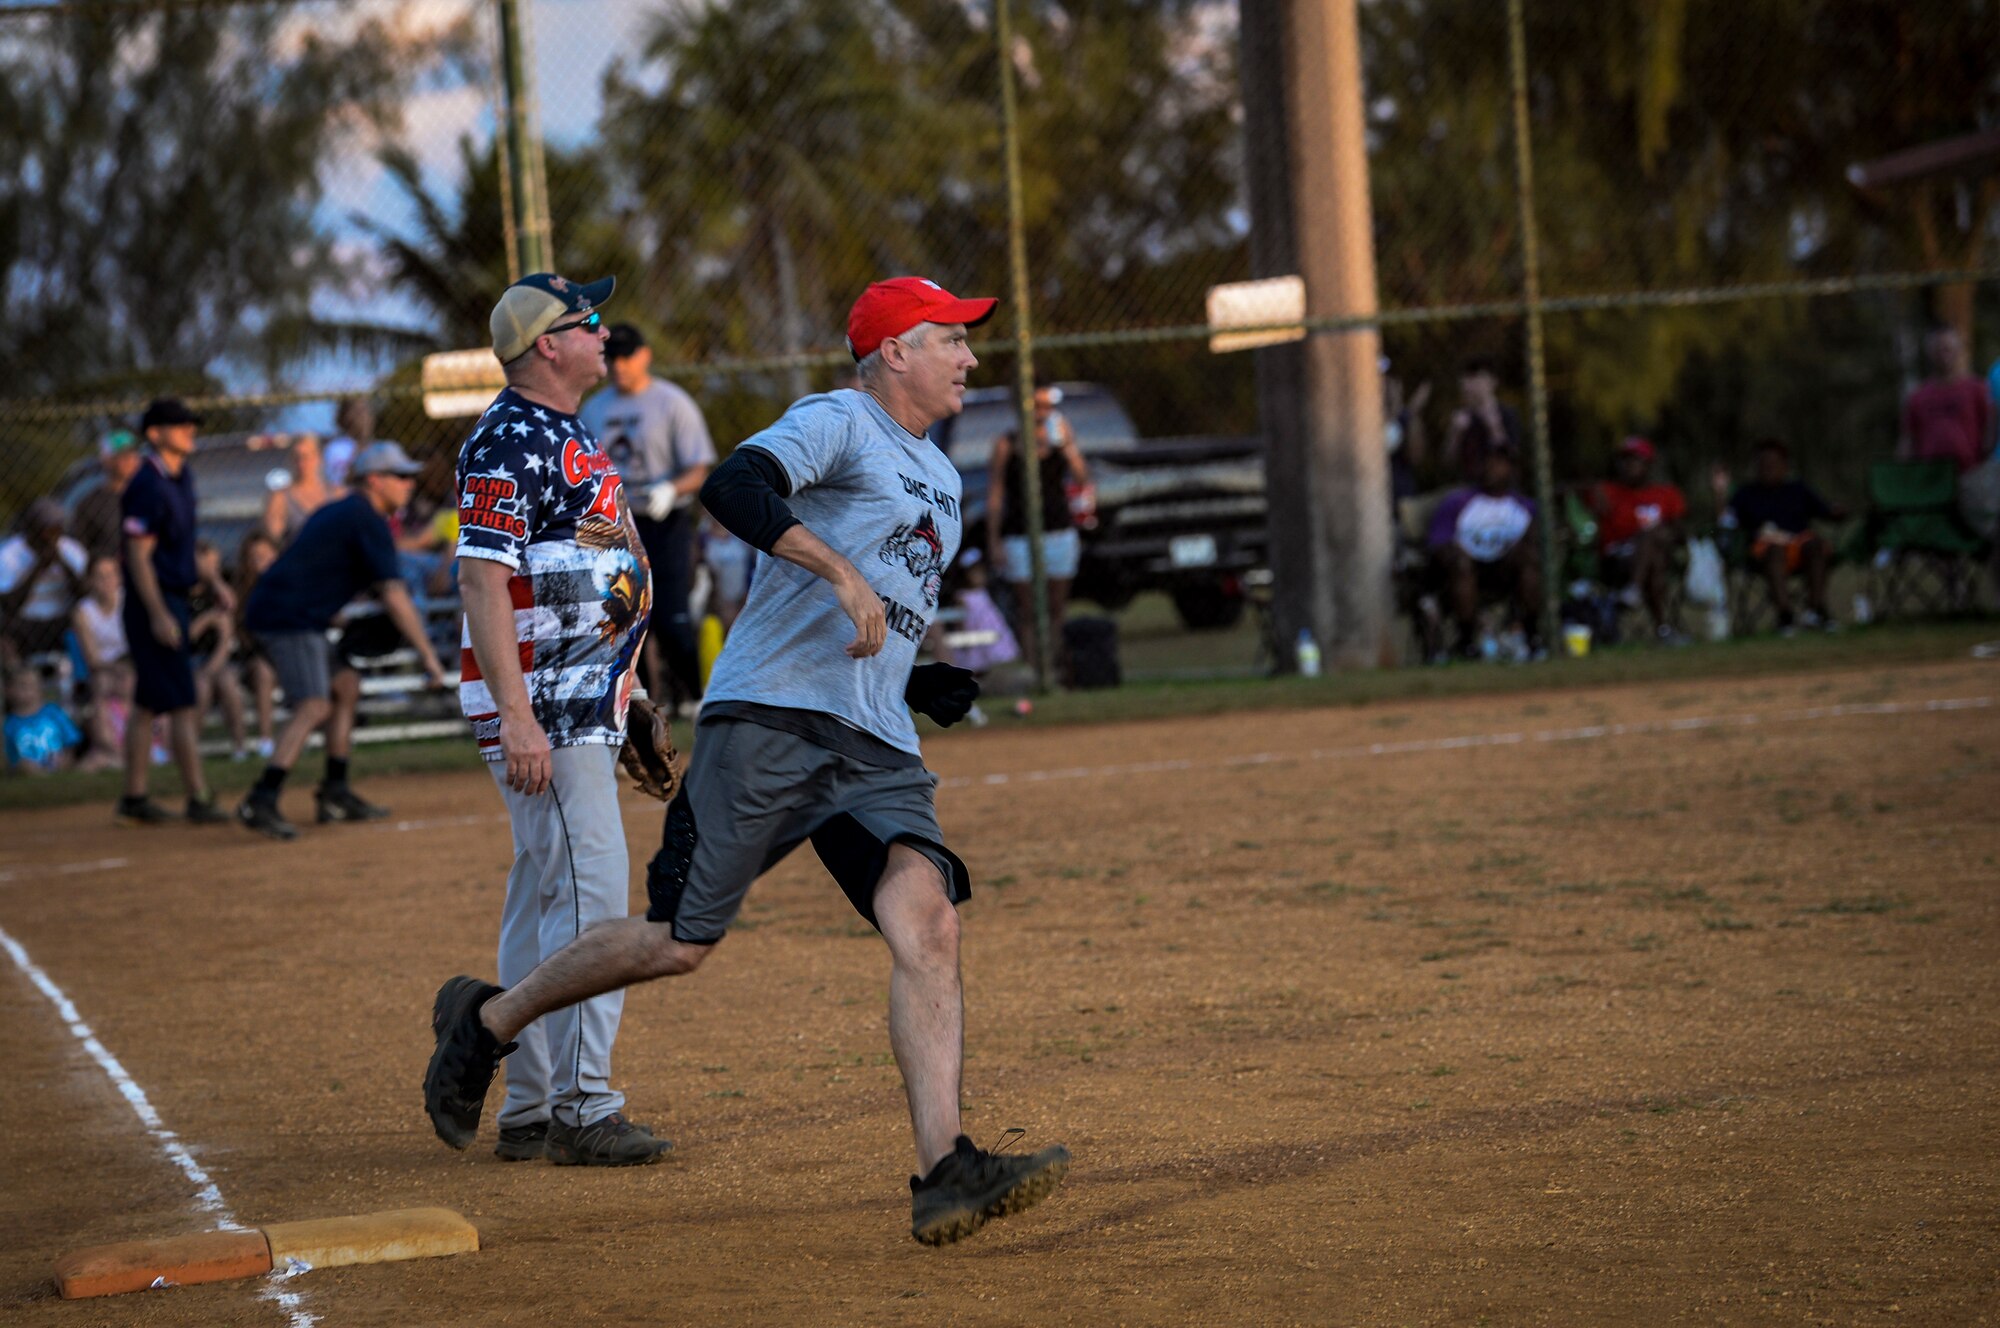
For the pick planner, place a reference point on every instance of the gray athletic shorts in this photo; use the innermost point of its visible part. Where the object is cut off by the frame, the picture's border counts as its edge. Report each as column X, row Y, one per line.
column 303, row 662
column 753, row 794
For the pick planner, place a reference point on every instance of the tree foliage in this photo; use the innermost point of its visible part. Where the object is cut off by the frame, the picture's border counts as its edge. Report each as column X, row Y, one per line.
column 1677, row 143
column 159, row 180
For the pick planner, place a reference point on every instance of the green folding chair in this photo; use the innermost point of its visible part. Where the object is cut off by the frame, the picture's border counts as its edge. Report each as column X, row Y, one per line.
column 1923, row 559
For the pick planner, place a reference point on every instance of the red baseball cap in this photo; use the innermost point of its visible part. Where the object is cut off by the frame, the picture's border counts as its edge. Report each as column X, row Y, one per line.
column 891, row 308
column 1639, row 447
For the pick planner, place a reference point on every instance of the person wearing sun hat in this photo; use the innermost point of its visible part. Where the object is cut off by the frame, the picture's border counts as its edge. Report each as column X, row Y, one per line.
column 806, row 734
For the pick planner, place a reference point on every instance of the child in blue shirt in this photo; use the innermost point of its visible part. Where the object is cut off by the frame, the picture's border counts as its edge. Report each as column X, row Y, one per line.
column 41, row 738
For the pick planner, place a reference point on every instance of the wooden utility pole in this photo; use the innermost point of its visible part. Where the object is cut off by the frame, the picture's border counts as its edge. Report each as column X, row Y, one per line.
column 1321, row 399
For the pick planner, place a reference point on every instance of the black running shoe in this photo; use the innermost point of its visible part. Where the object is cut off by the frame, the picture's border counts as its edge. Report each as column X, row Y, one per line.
column 263, row 816
column 971, row 1186
column 462, row 1067
column 522, row 1143
column 203, row 811
column 611, row 1142
column 341, row 803
column 142, row 811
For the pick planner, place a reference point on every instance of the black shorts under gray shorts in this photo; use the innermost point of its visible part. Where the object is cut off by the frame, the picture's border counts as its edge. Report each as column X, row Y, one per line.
column 753, row 794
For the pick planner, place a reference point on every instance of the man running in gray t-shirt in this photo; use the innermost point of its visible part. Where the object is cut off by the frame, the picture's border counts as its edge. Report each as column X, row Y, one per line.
column 806, row 735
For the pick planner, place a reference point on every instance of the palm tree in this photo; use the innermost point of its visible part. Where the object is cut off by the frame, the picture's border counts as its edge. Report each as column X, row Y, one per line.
column 785, row 160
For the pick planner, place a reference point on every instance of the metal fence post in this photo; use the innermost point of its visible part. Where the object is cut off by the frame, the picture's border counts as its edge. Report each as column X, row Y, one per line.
column 527, row 170
column 1027, row 445
column 1531, row 295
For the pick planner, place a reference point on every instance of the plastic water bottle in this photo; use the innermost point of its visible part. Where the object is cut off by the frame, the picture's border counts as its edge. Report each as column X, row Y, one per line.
column 1308, row 654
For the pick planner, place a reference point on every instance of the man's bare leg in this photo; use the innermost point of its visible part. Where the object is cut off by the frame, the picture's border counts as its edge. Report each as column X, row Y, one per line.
column 184, row 733
column 607, row 957
column 926, row 997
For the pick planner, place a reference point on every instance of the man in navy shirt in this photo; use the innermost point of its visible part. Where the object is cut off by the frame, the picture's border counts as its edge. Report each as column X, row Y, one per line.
column 343, row 550
column 1773, row 512
column 157, row 516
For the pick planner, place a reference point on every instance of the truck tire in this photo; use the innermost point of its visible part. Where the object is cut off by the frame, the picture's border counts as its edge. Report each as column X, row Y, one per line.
column 1207, row 606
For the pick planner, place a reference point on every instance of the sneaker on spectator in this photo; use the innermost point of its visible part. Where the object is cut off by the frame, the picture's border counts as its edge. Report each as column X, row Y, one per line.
column 263, row 816
column 1667, row 634
column 611, row 1142
column 970, row 1186
column 264, row 749
column 1815, row 621
column 339, row 802
column 142, row 811
column 203, row 811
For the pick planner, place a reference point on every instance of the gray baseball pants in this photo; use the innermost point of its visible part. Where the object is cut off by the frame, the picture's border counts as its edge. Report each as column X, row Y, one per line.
column 570, row 870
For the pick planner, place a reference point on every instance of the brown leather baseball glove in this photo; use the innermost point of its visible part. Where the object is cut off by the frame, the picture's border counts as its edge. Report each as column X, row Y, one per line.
column 649, row 755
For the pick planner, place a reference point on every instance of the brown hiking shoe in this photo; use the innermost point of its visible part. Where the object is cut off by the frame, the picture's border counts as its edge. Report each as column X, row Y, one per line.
column 611, row 1142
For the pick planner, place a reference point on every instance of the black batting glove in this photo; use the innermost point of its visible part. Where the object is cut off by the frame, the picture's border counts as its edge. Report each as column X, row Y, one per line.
column 944, row 692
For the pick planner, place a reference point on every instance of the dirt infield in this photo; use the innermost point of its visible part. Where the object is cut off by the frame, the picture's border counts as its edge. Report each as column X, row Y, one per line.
column 1649, row 1005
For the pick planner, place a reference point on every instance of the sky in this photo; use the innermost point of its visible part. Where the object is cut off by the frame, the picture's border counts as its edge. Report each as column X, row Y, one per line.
column 574, row 42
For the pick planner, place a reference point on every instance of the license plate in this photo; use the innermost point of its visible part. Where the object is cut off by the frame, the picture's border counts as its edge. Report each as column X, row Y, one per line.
column 1191, row 550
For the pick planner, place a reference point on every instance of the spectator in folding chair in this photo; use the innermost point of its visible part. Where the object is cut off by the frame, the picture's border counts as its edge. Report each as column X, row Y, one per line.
column 1639, row 530
column 1483, row 550
column 1775, row 513
column 42, row 574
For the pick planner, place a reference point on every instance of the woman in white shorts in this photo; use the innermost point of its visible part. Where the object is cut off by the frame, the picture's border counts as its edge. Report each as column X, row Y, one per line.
column 1058, row 463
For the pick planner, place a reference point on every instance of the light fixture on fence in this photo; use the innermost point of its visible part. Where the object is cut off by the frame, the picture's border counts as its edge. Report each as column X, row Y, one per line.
column 458, row 383
column 1275, row 305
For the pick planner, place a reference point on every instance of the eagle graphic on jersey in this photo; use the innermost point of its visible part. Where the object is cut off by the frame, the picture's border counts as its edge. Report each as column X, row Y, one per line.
column 919, row 547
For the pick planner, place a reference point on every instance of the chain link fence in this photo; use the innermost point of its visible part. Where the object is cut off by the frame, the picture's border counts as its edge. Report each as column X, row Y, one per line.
column 268, row 206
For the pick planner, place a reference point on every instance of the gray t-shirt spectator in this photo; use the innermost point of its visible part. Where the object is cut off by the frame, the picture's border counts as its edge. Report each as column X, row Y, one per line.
column 651, row 436
column 888, row 501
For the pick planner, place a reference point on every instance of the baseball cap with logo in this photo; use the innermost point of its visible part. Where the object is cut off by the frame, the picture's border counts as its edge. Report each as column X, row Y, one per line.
column 118, row 440
column 890, row 308
column 534, row 304
column 383, row 459
column 1638, row 447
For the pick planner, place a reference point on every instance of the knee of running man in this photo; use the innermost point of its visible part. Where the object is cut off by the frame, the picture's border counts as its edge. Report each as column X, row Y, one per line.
column 668, row 957
column 920, row 923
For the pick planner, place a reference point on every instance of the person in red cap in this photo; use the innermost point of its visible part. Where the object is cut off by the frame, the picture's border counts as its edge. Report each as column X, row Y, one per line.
column 1639, row 529
column 806, row 734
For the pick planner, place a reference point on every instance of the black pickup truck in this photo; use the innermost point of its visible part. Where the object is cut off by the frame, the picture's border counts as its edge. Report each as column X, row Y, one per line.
column 1183, row 515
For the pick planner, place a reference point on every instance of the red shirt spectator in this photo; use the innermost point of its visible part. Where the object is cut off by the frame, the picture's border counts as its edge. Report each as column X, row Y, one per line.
column 1630, row 504
column 1949, row 417
column 1949, row 421
column 1625, row 511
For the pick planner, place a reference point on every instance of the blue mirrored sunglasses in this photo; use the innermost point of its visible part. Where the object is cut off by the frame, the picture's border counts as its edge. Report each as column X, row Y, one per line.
column 589, row 323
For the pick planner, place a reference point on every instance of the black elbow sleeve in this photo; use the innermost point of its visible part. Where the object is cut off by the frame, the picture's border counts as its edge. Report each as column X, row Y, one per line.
column 746, row 494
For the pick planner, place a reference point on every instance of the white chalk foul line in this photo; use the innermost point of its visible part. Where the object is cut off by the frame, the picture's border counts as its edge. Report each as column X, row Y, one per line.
column 12, row 874
column 207, row 1194
column 1585, row 733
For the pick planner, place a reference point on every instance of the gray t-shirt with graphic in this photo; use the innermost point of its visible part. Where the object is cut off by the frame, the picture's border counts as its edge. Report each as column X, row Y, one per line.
column 654, row 435
column 888, row 501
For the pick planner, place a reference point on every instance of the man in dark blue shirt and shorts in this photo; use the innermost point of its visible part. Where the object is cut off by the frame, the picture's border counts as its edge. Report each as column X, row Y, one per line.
column 806, row 734
column 157, row 518
column 344, row 550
